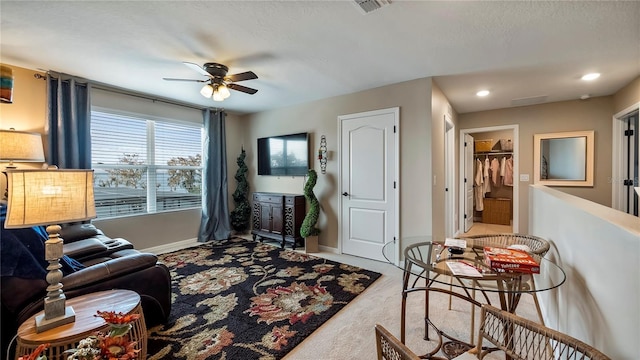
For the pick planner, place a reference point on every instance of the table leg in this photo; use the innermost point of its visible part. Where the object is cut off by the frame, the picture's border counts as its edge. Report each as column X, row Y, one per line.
column 426, row 311
column 405, row 284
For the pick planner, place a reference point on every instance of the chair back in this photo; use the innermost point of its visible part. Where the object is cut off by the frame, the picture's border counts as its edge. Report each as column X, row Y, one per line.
column 523, row 339
column 390, row 348
column 538, row 245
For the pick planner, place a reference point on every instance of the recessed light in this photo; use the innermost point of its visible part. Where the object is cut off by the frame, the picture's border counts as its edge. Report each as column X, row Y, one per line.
column 591, row 76
column 585, row 97
column 483, row 93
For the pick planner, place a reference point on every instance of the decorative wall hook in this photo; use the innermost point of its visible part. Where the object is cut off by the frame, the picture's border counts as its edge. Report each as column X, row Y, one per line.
column 322, row 154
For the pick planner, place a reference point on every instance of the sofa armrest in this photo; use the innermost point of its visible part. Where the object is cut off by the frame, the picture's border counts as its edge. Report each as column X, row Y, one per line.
column 108, row 269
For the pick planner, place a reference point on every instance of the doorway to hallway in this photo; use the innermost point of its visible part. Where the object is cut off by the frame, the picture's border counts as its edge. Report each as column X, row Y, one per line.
column 489, row 177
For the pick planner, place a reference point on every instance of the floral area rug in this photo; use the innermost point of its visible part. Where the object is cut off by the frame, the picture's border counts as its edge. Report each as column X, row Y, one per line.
column 239, row 299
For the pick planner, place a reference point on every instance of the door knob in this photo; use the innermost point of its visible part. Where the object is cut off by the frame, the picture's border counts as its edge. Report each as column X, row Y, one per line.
column 345, row 194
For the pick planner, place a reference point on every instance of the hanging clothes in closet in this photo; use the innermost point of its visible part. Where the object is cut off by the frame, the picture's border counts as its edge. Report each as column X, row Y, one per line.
column 495, row 171
column 485, row 172
column 507, row 178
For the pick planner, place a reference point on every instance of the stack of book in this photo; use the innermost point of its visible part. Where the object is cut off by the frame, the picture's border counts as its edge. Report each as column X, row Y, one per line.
column 510, row 260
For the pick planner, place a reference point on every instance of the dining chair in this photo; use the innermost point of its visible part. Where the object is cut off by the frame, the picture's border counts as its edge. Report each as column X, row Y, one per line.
column 390, row 348
column 523, row 339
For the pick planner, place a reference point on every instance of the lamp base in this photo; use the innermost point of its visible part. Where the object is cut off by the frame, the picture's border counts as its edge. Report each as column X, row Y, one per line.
column 43, row 324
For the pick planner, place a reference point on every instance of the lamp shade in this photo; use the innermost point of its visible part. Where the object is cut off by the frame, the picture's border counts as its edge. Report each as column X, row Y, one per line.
column 49, row 196
column 224, row 91
column 21, row 146
column 206, row 91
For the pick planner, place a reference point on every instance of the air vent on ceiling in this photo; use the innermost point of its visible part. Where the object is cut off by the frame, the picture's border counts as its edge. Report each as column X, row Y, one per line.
column 529, row 100
column 368, row 6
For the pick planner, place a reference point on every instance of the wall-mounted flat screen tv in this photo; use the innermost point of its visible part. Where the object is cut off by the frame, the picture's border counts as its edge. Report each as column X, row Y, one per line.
column 284, row 155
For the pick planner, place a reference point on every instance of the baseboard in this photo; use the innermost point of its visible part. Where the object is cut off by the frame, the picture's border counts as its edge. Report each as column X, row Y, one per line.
column 165, row 248
column 328, row 249
column 162, row 249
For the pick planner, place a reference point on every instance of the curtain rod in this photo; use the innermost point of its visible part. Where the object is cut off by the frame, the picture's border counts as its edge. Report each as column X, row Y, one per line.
column 119, row 90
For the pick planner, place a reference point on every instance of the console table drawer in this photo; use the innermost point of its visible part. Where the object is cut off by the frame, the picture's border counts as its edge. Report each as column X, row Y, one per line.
column 267, row 198
column 289, row 200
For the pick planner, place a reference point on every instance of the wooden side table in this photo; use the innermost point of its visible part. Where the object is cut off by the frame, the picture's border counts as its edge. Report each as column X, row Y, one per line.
column 68, row 336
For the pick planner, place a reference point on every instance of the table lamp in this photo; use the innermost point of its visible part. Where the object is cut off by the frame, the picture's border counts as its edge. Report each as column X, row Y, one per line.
column 46, row 197
column 20, row 146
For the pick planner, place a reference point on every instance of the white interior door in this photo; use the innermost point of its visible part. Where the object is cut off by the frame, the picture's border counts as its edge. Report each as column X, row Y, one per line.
column 468, row 182
column 368, row 182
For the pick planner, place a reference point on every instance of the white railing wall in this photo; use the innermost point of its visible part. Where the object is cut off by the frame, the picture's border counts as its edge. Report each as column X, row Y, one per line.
column 599, row 249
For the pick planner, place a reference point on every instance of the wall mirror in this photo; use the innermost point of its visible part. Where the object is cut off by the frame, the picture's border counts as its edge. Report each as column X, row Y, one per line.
column 563, row 159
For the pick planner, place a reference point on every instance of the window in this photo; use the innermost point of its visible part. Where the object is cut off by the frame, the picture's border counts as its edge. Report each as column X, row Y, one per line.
column 144, row 166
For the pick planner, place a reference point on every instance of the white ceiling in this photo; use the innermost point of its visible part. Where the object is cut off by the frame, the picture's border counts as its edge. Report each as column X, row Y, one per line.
column 309, row 50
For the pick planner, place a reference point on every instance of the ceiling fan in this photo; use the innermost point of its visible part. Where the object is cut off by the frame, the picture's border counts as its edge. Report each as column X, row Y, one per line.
column 218, row 82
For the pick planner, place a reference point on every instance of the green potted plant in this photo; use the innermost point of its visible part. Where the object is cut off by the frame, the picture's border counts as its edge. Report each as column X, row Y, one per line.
column 308, row 230
column 241, row 214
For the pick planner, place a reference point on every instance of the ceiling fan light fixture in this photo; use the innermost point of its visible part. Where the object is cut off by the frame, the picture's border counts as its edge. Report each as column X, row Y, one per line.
column 217, row 96
column 207, row 91
column 224, row 91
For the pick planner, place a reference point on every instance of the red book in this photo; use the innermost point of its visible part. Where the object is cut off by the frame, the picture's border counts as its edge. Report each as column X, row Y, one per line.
column 512, row 260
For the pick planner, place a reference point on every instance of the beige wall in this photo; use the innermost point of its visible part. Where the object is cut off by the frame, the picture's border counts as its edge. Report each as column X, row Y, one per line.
column 28, row 110
column 627, row 96
column 593, row 114
column 439, row 107
column 320, row 118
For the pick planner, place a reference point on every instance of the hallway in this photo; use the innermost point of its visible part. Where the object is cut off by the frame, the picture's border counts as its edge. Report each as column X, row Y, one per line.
column 483, row 228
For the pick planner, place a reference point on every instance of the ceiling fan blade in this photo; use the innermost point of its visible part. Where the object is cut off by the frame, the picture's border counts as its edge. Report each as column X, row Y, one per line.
column 197, row 68
column 244, row 89
column 192, row 80
column 247, row 75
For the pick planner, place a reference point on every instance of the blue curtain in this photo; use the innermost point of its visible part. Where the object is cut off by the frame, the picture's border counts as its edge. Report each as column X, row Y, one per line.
column 68, row 122
column 215, row 223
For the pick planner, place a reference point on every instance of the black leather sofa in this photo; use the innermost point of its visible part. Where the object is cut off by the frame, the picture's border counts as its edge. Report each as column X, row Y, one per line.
column 109, row 263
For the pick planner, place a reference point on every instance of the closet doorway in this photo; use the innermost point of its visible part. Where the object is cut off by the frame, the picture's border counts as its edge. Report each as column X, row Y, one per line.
column 489, row 169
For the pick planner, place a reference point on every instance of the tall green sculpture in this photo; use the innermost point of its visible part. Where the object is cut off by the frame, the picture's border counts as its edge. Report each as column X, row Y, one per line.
column 241, row 215
column 308, row 224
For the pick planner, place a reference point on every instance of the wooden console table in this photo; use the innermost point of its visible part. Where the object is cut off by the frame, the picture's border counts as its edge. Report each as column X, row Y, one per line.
column 68, row 336
column 278, row 217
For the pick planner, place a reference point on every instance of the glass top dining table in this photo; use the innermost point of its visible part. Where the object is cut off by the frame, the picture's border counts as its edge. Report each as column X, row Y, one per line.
column 423, row 258
column 427, row 258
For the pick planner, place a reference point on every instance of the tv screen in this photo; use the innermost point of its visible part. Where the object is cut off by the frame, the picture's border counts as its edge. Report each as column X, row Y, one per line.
column 286, row 155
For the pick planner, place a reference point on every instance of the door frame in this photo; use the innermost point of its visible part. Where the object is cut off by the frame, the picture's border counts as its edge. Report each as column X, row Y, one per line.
column 396, row 174
column 516, row 172
column 618, row 196
column 450, row 218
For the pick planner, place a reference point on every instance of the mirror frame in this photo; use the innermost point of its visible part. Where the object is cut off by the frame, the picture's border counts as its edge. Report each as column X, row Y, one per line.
column 537, row 140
